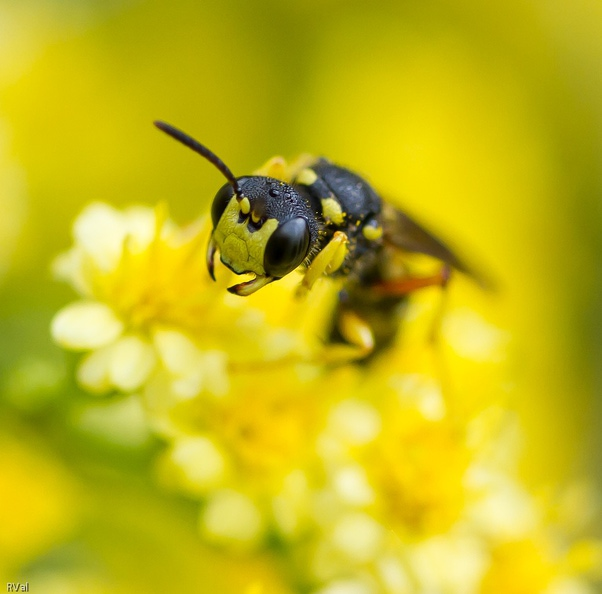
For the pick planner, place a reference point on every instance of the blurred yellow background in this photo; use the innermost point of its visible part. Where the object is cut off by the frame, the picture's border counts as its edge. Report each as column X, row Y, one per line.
column 483, row 119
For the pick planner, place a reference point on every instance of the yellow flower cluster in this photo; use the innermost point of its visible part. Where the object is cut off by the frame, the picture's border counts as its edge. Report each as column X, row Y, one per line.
column 370, row 476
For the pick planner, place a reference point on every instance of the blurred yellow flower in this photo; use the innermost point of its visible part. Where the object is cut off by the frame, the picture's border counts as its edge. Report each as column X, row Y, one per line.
column 38, row 497
column 373, row 477
column 251, row 447
column 109, row 246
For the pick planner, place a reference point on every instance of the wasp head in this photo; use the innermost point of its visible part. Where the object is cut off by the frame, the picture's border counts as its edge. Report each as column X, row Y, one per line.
column 261, row 225
column 265, row 229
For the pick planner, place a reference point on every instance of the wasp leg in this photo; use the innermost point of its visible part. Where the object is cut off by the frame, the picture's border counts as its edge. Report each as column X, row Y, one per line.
column 398, row 288
column 358, row 337
column 357, row 332
column 329, row 260
column 403, row 287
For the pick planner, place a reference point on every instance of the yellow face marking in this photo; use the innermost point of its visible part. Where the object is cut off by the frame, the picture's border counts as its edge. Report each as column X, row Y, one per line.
column 307, row 177
column 240, row 249
column 332, row 211
column 372, row 233
column 245, row 205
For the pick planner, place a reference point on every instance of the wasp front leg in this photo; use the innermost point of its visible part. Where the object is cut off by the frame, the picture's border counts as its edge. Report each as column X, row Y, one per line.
column 328, row 260
column 357, row 333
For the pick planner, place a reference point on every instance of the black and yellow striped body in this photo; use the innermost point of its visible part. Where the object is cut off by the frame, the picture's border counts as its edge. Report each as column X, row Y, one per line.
column 343, row 201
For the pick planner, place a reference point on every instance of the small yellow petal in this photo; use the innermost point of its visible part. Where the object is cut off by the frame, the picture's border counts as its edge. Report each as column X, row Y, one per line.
column 355, row 422
column 188, row 386
column 394, row 575
column 193, row 370
column 177, row 352
column 504, row 510
column 140, row 223
column 85, row 325
column 453, row 563
column 201, row 463
column 232, row 518
column 214, row 365
column 121, row 422
column 358, row 536
column 100, row 230
column 69, row 267
column 132, row 360
column 352, row 486
column 291, row 506
column 93, row 371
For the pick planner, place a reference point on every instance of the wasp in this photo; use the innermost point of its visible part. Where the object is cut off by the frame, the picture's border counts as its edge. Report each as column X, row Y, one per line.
column 327, row 220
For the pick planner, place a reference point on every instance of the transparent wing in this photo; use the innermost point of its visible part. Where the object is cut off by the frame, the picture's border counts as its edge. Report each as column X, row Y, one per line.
column 406, row 234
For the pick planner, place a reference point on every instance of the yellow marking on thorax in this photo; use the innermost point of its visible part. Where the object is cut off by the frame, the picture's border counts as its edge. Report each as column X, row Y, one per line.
column 372, row 233
column 239, row 248
column 332, row 211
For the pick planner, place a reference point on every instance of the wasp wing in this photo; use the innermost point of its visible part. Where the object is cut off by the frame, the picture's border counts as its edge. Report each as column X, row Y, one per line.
column 406, row 234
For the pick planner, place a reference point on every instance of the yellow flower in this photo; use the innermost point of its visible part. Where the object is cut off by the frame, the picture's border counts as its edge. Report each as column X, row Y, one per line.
column 120, row 265
column 418, row 467
column 240, row 433
column 374, row 477
column 38, row 497
column 520, row 567
column 148, row 303
column 393, row 450
column 252, row 445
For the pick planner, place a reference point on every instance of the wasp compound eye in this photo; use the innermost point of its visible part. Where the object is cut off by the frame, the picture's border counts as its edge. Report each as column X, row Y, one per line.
column 287, row 247
column 220, row 202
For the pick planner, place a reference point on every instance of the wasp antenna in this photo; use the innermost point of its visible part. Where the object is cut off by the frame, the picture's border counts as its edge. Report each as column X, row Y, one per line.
column 202, row 150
